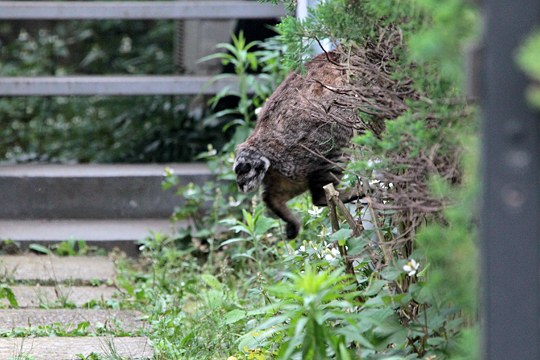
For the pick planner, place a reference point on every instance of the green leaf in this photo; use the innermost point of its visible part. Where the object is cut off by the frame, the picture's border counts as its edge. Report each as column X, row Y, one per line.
column 213, row 56
column 298, row 338
column 254, row 339
column 343, row 352
column 212, row 281
column 264, row 224
column 528, row 55
column 423, row 272
column 7, row 293
column 391, row 274
column 234, row 316
column 232, row 241
column 40, row 249
column 341, row 234
column 533, row 96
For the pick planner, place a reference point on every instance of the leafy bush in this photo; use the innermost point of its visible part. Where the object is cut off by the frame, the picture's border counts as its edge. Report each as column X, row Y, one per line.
column 401, row 288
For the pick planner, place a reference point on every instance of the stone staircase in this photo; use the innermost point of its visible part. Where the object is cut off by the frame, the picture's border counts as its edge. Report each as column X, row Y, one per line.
column 109, row 206
column 105, row 205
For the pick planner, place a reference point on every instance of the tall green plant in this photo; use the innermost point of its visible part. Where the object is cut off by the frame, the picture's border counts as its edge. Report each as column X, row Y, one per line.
column 312, row 316
column 247, row 59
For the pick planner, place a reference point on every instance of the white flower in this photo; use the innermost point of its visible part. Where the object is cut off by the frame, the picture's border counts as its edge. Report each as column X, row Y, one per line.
column 190, row 192
column 331, row 254
column 125, row 45
column 411, row 267
column 315, row 211
column 168, row 171
column 234, row 202
column 372, row 162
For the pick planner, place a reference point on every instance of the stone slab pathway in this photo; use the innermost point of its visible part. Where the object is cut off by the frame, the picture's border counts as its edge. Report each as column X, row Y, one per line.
column 125, row 320
column 55, row 282
column 33, row 296
column 47, row 269
column 68, row 348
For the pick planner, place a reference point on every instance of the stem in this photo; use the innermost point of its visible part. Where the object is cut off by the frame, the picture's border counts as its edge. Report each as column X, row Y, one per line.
column 385, row 248
column 332, row 199
column 426, row 333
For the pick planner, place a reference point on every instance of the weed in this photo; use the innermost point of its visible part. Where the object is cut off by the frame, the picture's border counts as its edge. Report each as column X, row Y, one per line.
column 71, row 247
column 7, row 293
column 230, row 285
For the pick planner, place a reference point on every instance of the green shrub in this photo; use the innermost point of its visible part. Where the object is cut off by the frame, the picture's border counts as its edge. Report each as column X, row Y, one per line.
column 411, row 291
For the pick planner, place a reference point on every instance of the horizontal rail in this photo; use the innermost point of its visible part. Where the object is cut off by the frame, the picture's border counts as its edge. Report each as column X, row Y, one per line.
column 112, row 85
column 98, row 10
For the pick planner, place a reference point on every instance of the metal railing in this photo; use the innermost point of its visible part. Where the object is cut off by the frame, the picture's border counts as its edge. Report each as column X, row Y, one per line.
column 126, row 10
column 111, row 85
column 132, row 10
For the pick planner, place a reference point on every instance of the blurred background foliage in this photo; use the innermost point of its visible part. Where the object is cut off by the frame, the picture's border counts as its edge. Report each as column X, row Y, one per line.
column 527, row 57
column 97, row 129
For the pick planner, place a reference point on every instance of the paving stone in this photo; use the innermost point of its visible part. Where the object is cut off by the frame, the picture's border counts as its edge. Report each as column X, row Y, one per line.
column 31, row 296
column 54, row 269
column 68, row 348
column 126, row 320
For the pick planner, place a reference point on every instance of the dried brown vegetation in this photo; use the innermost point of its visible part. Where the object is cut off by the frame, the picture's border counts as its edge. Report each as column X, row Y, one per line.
column 374, row 90
column 311, row 117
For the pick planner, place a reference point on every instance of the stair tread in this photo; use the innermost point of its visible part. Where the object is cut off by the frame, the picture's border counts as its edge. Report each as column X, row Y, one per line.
column 83, row 229
column 100, row 170
column 92, row 191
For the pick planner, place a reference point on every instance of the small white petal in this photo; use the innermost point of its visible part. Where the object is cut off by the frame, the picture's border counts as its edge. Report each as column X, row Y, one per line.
column 411, row 267
column 329, row 257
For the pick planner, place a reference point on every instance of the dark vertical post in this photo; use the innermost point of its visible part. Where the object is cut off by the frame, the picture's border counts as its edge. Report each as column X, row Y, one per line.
column 511, row 189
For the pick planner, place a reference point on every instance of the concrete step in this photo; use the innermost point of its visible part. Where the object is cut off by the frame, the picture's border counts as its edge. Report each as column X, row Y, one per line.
column 34, row 296
column 106, row 234
column 105, row 319
column 70, row 348
column 46, row 269
column 91, row 191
